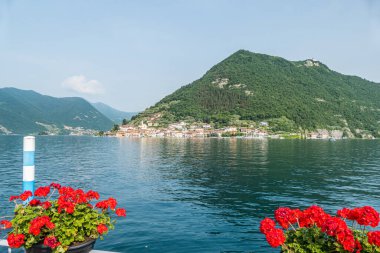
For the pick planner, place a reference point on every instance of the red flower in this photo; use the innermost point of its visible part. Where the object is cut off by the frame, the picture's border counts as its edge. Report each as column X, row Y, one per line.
column 51, row 242
column 275, row 237
column 34, row 202
column 92, row 195
column 374, row 238
column 66, row 191
column 354, row 214
column 42, row 191
column 344, row 213
column 67, row 206
column 267, row 225
column 79, row 196
column 46, row 204
column 313, row 215
column 102, row 229
column 368, row 217
column 358, row 246
column 16, row 240
column 39, row 222
column 297, row 213
column 102, row 204
column 285, row 216
column 121, row 212
column 112, row 203
column 27, row 194
column 347, row 240
column 334, row 226
column 14, row 198
column 55, row 185
column 7, row 224
column 109, row 203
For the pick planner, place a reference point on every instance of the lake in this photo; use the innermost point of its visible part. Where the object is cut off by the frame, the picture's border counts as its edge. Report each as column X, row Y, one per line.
column 199, row 195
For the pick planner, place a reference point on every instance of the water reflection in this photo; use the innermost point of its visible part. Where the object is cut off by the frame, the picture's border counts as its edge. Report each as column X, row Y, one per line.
column 242, row 181
column 200, row 195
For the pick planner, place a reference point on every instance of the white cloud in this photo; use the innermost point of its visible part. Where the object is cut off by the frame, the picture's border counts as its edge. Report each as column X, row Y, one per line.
column 81, row 84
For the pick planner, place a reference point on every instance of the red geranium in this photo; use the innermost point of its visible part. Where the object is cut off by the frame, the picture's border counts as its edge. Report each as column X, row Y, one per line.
column 42, row 191
column 6, row 224
column 59, row 222
column 374, row 238
column 105, row 204
column 27, row 194
column 267, row 225
column 336, row 227
column 102, row 204
column 121, row 212
column 34, row 202
column 275, row 237
column 67, row 206
column 344, row 213
column 313, row 215
column 285, row 217
column 51, row 242
column 90, row 195
column 55, row 185
column 314, row 222
column 14, row 198
column 46, row 204
column 39, row 222
column 368, row 217
column 333, row 225
column 102, row 229
column 16, row 240
column 66, row 190
column 358, row 246
column 112, row 203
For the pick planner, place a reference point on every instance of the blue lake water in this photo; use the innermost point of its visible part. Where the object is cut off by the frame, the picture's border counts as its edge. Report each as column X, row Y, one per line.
column 200, row 195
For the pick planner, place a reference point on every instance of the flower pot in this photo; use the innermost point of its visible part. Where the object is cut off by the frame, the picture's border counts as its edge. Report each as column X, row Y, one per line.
column 84, row 247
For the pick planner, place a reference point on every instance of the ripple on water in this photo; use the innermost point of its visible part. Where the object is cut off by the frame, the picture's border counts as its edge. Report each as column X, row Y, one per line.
column 200, row 195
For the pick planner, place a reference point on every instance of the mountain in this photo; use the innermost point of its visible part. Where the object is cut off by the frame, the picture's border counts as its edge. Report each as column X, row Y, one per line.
column 113, row 114
column 248, row 88
column 28, row 112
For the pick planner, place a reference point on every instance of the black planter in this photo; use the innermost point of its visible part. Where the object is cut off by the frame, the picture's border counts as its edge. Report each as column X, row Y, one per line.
column 85, row 247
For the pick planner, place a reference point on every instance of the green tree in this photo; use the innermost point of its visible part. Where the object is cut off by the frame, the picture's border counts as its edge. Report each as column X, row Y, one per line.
column 115, row 128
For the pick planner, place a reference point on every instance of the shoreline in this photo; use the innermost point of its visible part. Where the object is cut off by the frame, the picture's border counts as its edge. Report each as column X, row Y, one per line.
column 269, row 137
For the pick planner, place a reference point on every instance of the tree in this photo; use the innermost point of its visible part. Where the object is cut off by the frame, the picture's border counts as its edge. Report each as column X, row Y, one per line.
column 125, row 122
column 115, row 128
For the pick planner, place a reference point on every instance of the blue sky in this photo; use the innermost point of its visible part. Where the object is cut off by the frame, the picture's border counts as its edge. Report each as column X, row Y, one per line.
column 130, row 54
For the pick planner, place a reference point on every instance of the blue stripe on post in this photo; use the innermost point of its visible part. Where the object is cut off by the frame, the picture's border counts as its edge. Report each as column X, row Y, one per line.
column 28, row 186
column 28, row 158
column 28, row 168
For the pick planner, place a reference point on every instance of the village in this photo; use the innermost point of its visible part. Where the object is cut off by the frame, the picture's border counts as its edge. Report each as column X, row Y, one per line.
column 186, row 130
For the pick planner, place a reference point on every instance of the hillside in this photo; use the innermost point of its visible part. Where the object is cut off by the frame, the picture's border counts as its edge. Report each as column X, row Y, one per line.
column 247, row 88
column 113, row 114
column 28, row 112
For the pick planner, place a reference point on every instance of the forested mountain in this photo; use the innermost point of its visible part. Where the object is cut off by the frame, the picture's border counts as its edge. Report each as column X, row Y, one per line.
column 113, row 114
column 248, row 87
column 28, row 112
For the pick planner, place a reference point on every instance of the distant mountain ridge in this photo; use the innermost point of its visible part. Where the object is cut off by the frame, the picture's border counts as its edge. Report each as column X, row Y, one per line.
column 113, row 114
column 28, row 112
column 247, row 88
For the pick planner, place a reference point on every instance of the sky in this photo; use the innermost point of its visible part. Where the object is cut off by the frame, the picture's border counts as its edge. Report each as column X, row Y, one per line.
column 130, row 54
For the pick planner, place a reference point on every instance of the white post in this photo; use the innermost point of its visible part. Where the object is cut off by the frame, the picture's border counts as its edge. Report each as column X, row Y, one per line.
column 28, row 164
